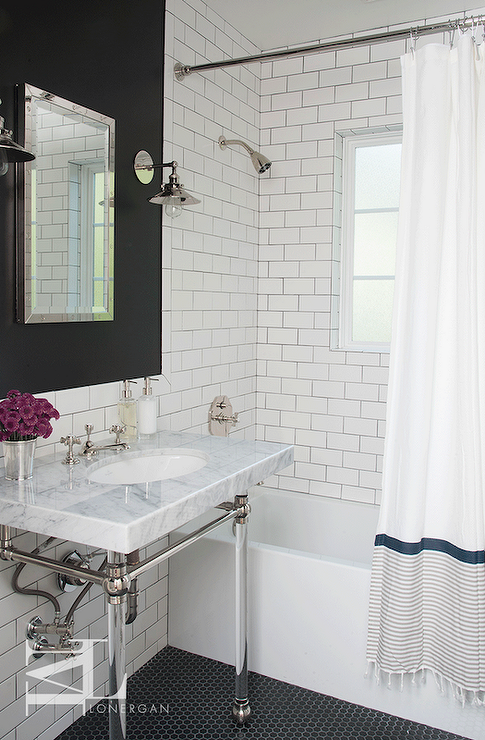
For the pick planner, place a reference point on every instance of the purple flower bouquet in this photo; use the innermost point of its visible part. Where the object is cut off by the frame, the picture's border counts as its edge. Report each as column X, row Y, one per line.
column 23, row 417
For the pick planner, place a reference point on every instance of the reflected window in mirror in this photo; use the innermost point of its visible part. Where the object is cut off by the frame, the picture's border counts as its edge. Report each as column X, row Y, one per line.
column 66, row 212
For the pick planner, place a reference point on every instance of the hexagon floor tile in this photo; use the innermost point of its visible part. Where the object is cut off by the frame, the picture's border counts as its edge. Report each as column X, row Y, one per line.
column 181, row 696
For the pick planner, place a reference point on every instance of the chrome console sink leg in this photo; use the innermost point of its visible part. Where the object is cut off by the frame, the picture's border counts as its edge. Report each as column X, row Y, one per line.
column 241, row 709
column 116, row 572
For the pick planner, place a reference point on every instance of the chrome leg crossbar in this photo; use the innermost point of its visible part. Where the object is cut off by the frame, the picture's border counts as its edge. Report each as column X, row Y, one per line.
column 115, row 580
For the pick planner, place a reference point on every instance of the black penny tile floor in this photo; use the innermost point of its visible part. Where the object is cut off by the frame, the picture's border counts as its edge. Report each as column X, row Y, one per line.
column 181, row 696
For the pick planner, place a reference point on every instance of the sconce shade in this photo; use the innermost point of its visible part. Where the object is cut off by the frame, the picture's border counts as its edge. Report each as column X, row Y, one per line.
column 173, row 195
column 11, row 151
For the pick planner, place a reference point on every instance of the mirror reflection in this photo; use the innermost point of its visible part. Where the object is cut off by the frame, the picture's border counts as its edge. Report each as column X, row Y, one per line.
column 66, row 229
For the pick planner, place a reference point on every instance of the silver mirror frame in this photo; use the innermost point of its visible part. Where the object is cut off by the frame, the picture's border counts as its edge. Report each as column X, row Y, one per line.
column 67, row 307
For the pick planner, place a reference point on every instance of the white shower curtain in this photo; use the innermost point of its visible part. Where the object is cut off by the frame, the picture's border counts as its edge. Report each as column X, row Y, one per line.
column 427, row 605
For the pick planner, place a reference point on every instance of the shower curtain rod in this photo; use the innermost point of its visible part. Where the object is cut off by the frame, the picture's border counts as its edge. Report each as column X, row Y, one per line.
column 183, row 70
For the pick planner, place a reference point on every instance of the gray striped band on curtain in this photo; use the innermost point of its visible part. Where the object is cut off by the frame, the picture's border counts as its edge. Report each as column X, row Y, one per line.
column 427, row 611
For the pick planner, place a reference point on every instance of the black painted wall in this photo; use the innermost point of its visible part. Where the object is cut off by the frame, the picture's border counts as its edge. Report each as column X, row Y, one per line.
column 106, row 55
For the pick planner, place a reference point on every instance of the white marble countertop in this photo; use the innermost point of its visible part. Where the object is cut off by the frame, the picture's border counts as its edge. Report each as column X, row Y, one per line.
column 60, row 500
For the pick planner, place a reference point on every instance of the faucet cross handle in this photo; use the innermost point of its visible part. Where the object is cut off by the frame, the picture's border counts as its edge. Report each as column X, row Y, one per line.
column 70, row 440
column 117, row 429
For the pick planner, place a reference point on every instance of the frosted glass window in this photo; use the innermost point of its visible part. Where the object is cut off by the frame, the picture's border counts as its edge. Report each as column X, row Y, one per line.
column 371, row 170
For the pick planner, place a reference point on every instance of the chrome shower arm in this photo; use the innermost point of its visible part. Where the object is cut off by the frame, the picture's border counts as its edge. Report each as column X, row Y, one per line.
column 225, row 142
column 260, row 162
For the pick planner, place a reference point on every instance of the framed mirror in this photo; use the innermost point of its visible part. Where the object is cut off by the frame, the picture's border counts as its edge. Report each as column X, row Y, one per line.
column 65, row 212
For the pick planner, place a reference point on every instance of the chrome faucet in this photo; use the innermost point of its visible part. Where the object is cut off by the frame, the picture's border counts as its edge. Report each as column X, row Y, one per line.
column 90, row 448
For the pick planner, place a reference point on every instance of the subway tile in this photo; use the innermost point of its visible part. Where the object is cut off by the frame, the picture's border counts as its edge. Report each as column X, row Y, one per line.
column 280, row 402
column 360, row 461
column 337, row 76
column 281, row 369
column 394, row 68
column 382, row 88
column 362, row 391
column 320, row 60
column 287, row 67
column 348, row 442
column 286, row 135
column 373, row 107
column 325, row 456
column 312, row 403
column 326, row 423
column 300, row 218
column 370, row 71
column 306, row 81
column 69, row 401
column 279, row 118
column 339, row 112
column 284, row 101
column 301, row 184
column 375, row 374
column 373, row 410
column 273, row 85
column 311, row 438
column 359, row 55
column 297, row 386
column 365, row 427
column 387, row 120
column 352, row 92
column 394, row 105
column 320, row 96
column 323, row 488
column 358, row 493
column 312, row 471
column 389, row 50
column 329, row 389
column 344, row 476
column 369, row 479
column 300, row 116
column 305, row 149
column 372, row 444
column 350, row 373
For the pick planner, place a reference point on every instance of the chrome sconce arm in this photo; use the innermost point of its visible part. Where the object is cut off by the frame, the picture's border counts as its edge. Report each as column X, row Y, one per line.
column 172, row 196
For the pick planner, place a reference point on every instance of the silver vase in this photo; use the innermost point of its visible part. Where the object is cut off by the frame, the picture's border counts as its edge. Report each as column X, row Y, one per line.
column 19, row 459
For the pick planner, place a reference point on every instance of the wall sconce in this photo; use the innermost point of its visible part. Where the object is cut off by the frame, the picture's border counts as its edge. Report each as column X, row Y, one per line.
column 10, row 151
column 172, row 196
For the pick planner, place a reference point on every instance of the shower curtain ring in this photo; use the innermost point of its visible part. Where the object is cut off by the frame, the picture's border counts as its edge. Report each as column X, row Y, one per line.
column 413, row 37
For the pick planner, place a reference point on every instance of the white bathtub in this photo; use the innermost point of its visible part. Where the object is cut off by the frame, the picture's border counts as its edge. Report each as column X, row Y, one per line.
column 309, row 578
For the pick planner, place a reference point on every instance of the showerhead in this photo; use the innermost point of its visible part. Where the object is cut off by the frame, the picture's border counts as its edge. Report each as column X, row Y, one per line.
column 260, row 162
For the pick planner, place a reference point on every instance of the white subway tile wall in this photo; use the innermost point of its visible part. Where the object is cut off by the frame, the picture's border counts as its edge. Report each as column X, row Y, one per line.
column 247, row 288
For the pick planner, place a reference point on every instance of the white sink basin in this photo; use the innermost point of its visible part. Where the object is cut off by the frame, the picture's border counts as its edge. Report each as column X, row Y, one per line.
column 146, row 466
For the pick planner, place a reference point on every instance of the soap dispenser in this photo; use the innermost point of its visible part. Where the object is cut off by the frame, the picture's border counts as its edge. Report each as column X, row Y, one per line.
column 127, row 412
column 147, row 411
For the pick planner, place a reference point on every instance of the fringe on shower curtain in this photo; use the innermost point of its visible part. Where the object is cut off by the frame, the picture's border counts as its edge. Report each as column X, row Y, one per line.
column 427, row 603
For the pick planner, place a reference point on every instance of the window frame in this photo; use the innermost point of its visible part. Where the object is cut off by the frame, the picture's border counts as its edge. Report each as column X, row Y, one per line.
column 346, row 142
